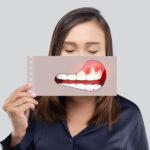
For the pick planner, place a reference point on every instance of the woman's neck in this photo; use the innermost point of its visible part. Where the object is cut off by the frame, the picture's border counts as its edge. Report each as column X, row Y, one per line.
column 79, row 108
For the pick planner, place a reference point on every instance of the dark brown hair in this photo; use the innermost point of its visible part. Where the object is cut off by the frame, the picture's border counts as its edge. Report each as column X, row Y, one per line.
column 52, row 108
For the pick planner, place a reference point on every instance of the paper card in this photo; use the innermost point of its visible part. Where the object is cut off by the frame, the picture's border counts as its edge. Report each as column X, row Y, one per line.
column 72, row 75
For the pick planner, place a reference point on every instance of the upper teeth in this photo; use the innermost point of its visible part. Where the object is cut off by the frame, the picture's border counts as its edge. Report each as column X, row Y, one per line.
column 62, row 76
column 81, row 75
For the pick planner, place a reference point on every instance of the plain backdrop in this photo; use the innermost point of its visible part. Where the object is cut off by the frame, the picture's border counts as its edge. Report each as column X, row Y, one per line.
column 26, row 28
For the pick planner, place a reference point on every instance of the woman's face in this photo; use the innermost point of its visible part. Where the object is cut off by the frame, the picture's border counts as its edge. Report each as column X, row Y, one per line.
column 85, row 39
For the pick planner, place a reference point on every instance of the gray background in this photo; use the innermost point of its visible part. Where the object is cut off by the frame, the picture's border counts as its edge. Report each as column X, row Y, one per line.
column 26, row 28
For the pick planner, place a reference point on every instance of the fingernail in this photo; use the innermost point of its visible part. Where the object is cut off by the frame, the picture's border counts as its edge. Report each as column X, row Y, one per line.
column 33, row 94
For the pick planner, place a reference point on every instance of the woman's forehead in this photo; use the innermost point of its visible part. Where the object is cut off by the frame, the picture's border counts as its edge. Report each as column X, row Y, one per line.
column 87, row 32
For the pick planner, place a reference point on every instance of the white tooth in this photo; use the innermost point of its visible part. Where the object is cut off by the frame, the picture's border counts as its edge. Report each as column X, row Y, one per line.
column 89, row 87
column 65, row 84
column 63, row 76
column 91, row 75
column 81, row 75
column 80, row 86
column 98, row 75
column 72, row 76
column 58, row 76
column 72, row 85
column 96, row 86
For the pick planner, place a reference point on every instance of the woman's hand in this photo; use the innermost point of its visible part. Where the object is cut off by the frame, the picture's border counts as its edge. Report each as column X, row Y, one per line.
column 17, row 106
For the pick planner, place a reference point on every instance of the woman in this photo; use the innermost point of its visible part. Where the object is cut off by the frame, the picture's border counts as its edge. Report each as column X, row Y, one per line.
column 75, row 122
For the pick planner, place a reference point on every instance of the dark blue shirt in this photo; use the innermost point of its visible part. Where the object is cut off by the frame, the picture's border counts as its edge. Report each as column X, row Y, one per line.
column 128, row 133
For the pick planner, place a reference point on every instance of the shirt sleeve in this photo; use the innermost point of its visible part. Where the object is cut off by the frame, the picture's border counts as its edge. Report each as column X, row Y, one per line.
column 25, row 144
column 138, row 139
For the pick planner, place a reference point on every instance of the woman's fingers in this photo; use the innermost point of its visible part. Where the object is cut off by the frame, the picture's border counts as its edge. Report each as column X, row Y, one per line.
column 23, row 100
column 20, row 109
column 17, row 106
column 25, row 106
column 23, row 88
column 18, row 95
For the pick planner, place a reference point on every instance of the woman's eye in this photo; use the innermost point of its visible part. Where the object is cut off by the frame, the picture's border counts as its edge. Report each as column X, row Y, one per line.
column 69, row 51
column 93, row 52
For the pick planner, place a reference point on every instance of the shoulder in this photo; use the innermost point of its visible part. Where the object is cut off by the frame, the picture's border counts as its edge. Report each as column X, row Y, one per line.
column 131, row 124
column 125, row 102
column 129, row 109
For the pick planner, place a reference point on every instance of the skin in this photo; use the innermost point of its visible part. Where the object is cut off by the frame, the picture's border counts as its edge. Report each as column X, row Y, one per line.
column 82, row 40
column 17, row 106
column 79, row 108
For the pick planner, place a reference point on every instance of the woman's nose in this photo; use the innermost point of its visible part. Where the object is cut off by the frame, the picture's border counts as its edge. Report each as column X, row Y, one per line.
column 81, row 53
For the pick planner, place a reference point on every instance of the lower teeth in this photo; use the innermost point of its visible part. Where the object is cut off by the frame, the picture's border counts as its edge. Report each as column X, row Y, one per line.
column 88, row 87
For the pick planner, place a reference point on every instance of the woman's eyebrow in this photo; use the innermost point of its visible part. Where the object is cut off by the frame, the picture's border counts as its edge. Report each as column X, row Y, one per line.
column 87, row 43
column 70, row 43
column 91, row 43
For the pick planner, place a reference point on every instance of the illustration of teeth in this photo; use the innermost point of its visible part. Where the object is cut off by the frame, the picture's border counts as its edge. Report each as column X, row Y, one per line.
column 81, row 75
column 72, row 76
column 62, row 76
column 96, row 86
column 65, row 84
column 72, row 85
column 58, row 76
column 80, row 86
column 88, row 87
column 98, row 75
column 91, row 76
